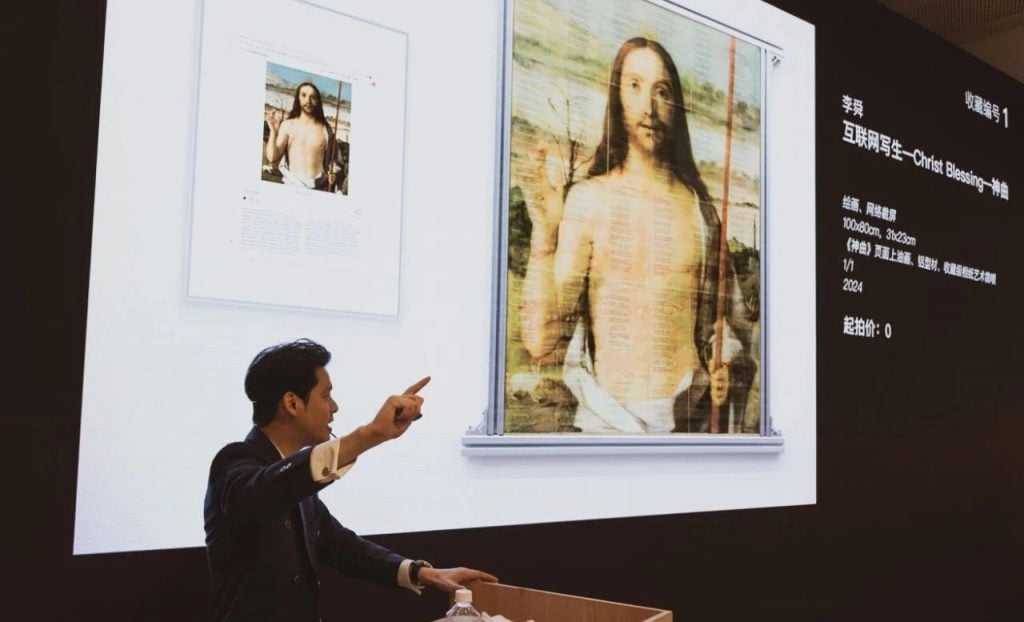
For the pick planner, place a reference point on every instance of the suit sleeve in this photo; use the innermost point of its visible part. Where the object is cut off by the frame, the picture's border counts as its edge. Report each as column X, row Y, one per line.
column 246, row 489
column 340, row 548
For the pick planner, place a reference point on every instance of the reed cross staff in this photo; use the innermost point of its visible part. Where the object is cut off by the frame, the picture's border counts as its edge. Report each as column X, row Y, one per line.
column 334, row 148
column 723, row 245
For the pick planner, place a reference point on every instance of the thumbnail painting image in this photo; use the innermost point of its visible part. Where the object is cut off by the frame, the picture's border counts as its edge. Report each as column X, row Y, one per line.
column 306, row 129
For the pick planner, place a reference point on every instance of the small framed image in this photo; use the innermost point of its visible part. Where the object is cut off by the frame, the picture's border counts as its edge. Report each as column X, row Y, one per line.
column 630, row 279
column 307, row 130
column 298, row 168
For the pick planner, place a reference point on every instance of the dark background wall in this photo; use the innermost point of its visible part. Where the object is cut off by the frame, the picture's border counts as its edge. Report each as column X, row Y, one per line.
column 920, row 511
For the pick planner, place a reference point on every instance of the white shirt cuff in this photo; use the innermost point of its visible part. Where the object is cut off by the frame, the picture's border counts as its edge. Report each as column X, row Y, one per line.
column 405, row 581
column 323, row 462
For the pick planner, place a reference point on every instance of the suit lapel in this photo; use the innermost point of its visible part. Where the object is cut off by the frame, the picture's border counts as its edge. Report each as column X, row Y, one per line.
column 306, row 507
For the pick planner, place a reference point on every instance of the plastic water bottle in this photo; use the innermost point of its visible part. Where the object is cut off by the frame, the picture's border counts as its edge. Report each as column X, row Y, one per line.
column 463, row 610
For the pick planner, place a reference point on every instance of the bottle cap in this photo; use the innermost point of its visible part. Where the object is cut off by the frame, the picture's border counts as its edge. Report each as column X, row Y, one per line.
column 462, row 595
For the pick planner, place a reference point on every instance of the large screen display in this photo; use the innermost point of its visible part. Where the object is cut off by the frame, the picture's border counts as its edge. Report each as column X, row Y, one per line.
column 376, row 239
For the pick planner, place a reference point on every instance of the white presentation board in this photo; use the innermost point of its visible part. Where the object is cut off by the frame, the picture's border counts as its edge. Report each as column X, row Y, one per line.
column 163, row 373
column 261, row 222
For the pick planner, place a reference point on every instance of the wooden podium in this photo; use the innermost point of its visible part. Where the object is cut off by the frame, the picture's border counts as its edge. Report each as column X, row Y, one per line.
column 521, row 604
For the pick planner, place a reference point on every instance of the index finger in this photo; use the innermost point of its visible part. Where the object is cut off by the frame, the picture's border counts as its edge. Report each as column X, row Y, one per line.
column 415, row 388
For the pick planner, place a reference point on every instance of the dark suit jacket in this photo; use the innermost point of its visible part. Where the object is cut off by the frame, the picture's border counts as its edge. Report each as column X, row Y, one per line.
column 267, row 531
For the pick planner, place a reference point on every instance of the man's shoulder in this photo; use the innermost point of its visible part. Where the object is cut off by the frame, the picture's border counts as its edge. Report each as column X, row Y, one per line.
column 238, row 450
column 237, row 447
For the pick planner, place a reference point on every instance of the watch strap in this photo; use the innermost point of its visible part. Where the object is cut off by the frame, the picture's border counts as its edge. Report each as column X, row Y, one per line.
column 414, row 571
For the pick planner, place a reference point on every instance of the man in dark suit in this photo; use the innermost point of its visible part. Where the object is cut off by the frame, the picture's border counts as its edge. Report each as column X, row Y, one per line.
column 266, row 530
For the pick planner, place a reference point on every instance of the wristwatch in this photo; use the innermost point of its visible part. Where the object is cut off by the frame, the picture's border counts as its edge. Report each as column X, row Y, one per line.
column 414, row 572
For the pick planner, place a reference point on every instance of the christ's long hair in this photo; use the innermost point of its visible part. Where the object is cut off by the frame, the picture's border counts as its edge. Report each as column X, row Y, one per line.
column 675, row 152
column 318, row 110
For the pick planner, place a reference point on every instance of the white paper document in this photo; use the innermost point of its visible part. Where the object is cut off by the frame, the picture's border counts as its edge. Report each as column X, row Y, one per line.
column 298, row 186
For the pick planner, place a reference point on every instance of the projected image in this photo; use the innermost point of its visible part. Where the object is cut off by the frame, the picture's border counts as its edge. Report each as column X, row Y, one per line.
column 633, row 279
column 307, row 120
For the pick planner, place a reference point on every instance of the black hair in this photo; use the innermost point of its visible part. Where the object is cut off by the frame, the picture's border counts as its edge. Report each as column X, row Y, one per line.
column 279, row 369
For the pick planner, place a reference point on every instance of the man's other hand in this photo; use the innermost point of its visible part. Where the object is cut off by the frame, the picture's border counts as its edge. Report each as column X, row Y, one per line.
column 451, row 579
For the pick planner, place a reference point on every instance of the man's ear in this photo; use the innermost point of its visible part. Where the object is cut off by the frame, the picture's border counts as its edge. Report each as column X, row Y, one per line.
column 292, row 404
